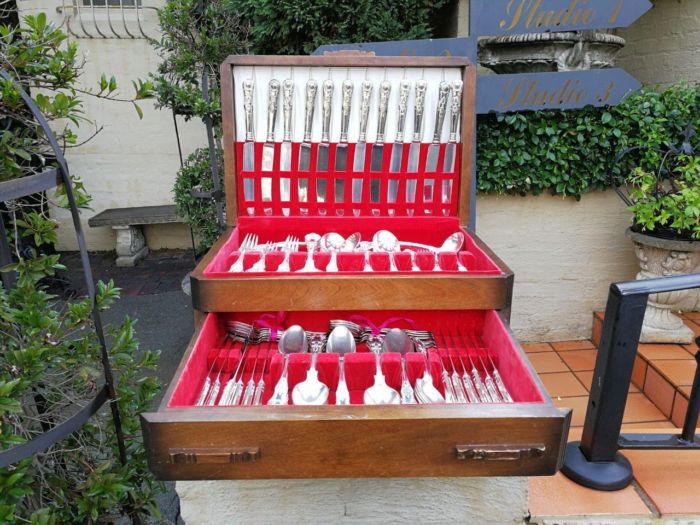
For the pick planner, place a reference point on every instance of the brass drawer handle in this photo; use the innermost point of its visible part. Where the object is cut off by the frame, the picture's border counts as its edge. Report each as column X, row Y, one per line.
column 213, row 456
column 499, row 452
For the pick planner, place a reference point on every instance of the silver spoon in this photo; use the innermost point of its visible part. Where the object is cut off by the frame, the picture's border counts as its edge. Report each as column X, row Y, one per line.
column 311, row 391
column 385, row 241
column 341, row 342
column 311, row 240
column 380, row 393
column 425, row 389
column 293, row 341
column 396, row 340
column 333, row 243
column 366, row 247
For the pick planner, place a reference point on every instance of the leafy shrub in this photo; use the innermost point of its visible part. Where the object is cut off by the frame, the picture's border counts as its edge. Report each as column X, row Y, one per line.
column 199, row 213
column 49, row 353
column 573, row 152
column 298, row 27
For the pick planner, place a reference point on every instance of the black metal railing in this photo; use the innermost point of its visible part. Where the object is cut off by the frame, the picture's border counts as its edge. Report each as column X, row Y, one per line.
column 595, row 461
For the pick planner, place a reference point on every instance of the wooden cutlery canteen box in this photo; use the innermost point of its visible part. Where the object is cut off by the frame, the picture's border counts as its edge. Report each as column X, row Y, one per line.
column 347, row 184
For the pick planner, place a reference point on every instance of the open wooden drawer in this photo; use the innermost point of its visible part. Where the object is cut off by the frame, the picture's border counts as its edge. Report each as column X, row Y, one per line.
column 522, row 438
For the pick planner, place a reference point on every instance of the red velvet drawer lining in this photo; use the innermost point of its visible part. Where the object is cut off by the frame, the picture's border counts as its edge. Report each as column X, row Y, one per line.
column 482, row 334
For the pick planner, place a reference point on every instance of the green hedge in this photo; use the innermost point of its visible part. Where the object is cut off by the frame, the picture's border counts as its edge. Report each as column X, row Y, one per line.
column 573, row 152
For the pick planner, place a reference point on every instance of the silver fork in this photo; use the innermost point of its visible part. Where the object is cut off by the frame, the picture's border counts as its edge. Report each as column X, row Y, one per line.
column 259, row 265
column 290, row 246
column 249, row 242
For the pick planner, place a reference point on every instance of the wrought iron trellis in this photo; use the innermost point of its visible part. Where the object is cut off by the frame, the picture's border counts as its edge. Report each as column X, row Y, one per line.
column 24, row 187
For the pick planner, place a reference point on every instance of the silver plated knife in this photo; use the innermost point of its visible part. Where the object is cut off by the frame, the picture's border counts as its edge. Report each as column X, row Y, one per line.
column 273, row 95
column 305, row 150
column 419, row 112
column 434, row 149
column 397, row 148
column 361, row 146
column 341, row 151
column 287, row 108
column 456, row 110
column 377, row 158
column 324, row 147
column 249, row 145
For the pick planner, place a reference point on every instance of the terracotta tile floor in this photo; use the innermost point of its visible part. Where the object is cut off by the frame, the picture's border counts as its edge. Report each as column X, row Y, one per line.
column 670, row 480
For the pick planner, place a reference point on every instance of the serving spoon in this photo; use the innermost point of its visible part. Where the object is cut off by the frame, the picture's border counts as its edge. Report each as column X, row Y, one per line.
column 341, row 342
column 293, row 341
column 311, row 391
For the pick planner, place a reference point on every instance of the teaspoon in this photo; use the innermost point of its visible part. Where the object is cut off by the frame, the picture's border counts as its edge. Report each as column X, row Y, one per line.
column 380, row 393
column 293, row 341
column 396, row 340
column 341, row 342
column 311, row 391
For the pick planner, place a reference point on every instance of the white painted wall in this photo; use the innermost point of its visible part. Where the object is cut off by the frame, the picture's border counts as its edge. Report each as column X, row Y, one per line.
column 663, row 46
column 564, row 254
column 482, row 501
column 131, row 162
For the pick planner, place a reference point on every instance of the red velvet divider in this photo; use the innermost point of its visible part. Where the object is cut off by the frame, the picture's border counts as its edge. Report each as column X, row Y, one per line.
column 442, row 200
column 465, row 339
column 425, row 230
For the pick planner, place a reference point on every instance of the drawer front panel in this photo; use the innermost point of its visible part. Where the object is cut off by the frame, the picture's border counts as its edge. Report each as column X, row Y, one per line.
column 416, row 445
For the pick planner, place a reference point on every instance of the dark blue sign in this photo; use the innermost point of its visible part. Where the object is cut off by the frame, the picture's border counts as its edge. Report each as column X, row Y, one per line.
column 511, row 17
column 563, row 90
column 465, row 47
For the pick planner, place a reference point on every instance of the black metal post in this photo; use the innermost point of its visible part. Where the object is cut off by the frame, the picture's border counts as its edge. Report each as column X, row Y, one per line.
column 595, row 461
column 8, row 277
column 691, row 417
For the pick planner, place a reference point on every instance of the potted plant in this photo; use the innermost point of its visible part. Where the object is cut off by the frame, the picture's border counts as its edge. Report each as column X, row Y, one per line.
column 666, row 233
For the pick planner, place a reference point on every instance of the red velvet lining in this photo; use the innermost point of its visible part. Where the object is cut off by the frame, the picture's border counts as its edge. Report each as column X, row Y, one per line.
column 435, row 206
column 478, row 335
column 425, row 230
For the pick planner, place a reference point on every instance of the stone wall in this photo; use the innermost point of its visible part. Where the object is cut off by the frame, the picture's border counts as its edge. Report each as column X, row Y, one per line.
column 662, row 46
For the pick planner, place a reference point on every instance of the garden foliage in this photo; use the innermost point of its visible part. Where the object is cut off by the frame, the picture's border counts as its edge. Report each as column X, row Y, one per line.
column 49, row 353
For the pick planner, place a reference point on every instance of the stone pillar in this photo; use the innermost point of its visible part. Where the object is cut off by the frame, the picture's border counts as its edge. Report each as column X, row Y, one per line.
column 486, row 501
column 131, row 245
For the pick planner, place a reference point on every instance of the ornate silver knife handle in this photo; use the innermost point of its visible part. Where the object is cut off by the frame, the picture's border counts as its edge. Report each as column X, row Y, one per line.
column 272, row 100
column 404, row 89
column 327, row 104
column 421, row 88
column 311, row 90
column 364, row 109
column 248, row 108
column 384, row 92
column 441, row 110
column 457, row 87
column 287, row 104
column 345, row 113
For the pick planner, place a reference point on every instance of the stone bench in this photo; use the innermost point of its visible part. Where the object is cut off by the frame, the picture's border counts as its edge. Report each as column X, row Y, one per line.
column 127, row 223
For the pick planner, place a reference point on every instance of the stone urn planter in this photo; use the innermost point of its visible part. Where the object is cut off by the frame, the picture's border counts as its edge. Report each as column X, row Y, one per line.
column 546, row 52
column 660, row 257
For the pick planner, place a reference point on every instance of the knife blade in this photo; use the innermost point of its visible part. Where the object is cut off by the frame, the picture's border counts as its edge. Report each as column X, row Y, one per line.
column 361, row 146
column 305, row 150
column 418, row 113
column 341, row 151
column 268, row 156
column 434, row 149
column 378, row 146
column 287, row 107
column 249, row 146
column 324, row 147
column 456, row 110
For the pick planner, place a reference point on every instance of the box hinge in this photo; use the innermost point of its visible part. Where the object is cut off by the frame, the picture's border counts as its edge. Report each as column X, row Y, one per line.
column 499, row 452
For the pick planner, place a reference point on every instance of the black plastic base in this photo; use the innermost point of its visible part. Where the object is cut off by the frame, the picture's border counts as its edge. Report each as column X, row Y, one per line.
column 609, row 475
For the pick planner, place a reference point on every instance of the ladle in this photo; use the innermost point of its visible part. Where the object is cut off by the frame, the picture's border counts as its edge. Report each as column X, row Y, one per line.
column 311, row 391
column 341, row 342
column 293, row 341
